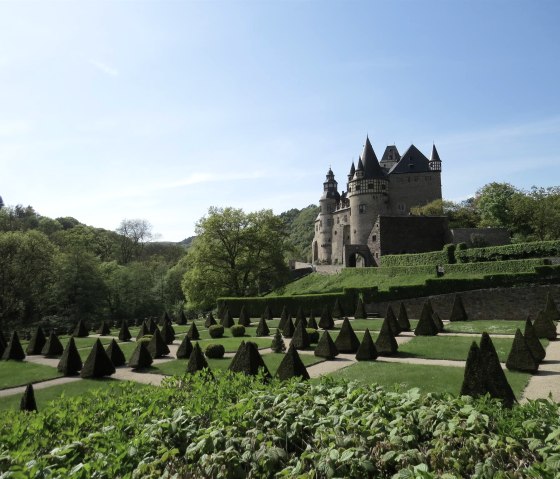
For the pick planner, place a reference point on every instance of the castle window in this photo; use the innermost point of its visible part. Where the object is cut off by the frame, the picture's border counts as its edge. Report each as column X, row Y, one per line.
column 374, row 238
column 383, row 186
column 335, row 232
column 337, row 220
column 362, row 208
column 320, row 223
column 345, row 218
column 329, row 222
column 370, row 186
column 358, row 187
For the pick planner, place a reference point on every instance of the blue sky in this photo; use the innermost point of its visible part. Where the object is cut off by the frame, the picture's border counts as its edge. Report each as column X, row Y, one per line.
column 160, row 109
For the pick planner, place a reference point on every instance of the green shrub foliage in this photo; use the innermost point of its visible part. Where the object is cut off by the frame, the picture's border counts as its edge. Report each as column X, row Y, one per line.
column 326, row 347
column 313, row 335
column 28, row 402
column 337, row 311
column 551, row 310
column 291, row 365
column 167, row 332
column 300, row 338
column 193, row 333
column 181, row 319
column 278, row 345
column 165, row 318
column 244, row 318
column 360, row 312
column 474, row 380
column 404, row 323
column 215, row 351
column 312, row 323
column 210, row 321
column 237, row 330
column 36, row 342
column 347, row 341
column 70, row 362
column 104, row 329
column 53, row 347
column 326, row 321
column 458, row 312
column 386, row 343
column 144, row 331
column 151, row 325
column 533, row 342
column 544, row 327
column 124, row 333
column 197, row 361
column 283, row 317
column 141, row 357
column 426, row 325
column 157, row 346
column 289, row 328
column 115, row 354
column 216, row 331
column 2, row 344
column 520, row 357
column 227, row 319
column 14, row 350
column 367, row 350
column 267, row 313
column 536, row 249
column 262, row 328
column 392, row 320
column 248, row 360
column 438, row 322
column 300, row 316
column 81, row 330
column 496, row 381
column 186, row 347
column 97, row 364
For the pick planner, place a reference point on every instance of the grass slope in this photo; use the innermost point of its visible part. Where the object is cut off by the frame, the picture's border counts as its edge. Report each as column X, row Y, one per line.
column 16, row 373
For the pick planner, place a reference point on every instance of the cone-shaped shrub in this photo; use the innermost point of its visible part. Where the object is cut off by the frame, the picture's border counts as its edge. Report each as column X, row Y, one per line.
column 325, row 347
column 141, row 357
column 115, row 354
column 278, row 345
column 267, row 313
column 337, row 310
column 70, row 363
column 404, row 323
column 367, row 350
column 197, row 361
column 438, row 322
column 326, row 321
column 300, row 316
column 151, row 326
column 185, row 348
column 137, row 322
column 551, row 310
column 544, row 327
column 181, row 319
column 386, row 343
column 28, row 402
column 37, row 342
column 244, row 318
column 291, row 365
column 193, row 333
column 124, row 333
column 81, row 330
column 458, row 312
column 248, row 360
column 360, row 312
column 301, row 320
column 289, row 328
column 474, row 382
column 311, row 323
column 157, row 346
column 209, row 321
column 300, row 338
column 233, row 361
column 392, row 320
column 533, row 342
column 53, row 346
column 14, row 350
column 97, row 363
column 144, row 331
column 167, row 333
column 283, row 317
column 496, row 381
column 227, row 320
column 104, row 329
column 520, row 357
column 347, row 341
column 165, row 318
column 262, row 328
column 426, row 325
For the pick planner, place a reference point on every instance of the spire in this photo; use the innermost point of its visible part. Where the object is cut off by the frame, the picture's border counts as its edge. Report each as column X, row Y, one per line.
column 370, row 162
column 360, row 166
column 352, row 171
column 435, row 155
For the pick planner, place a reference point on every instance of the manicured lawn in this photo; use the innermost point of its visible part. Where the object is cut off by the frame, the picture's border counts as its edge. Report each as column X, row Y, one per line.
column 232, row 344
column 19, row 373
column 439, row 379
column 373, row 324
column 491, row 327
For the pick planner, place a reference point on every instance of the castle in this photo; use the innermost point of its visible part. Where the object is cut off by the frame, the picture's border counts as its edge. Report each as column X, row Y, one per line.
column 372, row 217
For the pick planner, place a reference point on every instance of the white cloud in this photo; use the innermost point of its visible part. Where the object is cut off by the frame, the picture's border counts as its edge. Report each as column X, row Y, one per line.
column 104, row 68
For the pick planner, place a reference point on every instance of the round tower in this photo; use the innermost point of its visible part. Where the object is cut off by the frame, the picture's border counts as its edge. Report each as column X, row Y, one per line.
column 322, row 241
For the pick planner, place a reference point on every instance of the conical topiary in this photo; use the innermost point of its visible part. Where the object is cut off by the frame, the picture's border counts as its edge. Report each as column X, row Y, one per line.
column 426, row 325
column 181, row 318
column 104, row 329
column 438, row 322
column 337, row 310
column 115, row 354
column 267, row 313
column 53, row 347
column 185, row 348
column 151, row 325
column 325, row 347
column 301, row 320
column 70, row 363
column 392, row 320
column 496, row 381
column 311, row 323
column 81, row 330
column 300, row 338
column 551, row 310
column 227, row 319
column 141, row 357
column 458, row 312
column 138, row 322
column 37, row 342
column 193, row 333
column 347, row 341
column 97, row 363
column 520, row 357
column 165, row 318
column 144, row 331
column 244, row 318
column 291, row 365
column 167, row 333
column 249, row 361
column 288, row 330
column 197, row 361
column 278, row 345
column 28, row 402
column 300, row 316
column 402, row 318
column 386, row 343
column 474, row 382
column 367, row 350
column 360, row 312
column 262, row 328
column 283, row 317
column 209, row 321
column 326, row 321
column 157, row 346
column 124, row 333
column 544, row 327
column 533, row 342
column 14, row 350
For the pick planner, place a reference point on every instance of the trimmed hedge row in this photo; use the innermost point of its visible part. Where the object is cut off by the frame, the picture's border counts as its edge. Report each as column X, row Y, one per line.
column 417, row 259
column 536, row 249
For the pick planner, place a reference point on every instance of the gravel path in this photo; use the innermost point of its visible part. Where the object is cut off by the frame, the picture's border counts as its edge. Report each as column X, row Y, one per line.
column 41, row 385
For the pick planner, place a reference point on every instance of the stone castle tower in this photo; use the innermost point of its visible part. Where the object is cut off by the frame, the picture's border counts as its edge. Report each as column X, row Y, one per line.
column 349, row 224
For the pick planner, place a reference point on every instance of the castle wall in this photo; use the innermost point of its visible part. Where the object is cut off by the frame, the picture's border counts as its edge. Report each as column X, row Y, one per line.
column 409, row 190
column 340, row 235
column 365, row 208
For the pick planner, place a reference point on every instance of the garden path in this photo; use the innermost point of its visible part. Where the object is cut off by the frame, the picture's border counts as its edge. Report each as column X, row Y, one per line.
column 40, row 385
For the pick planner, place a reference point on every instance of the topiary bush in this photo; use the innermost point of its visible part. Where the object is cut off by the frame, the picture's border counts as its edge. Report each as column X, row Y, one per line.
column 215, row 351
column 237, row 330
column 313, row 335
column 216, row 331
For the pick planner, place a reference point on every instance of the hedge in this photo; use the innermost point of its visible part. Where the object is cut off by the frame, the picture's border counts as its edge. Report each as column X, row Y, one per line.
column 432, row 258
column 536, row 249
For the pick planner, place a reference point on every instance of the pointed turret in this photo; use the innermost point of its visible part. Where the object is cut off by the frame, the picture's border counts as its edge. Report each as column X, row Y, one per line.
column 352, row 171
column 435, row 162
column 372, row 169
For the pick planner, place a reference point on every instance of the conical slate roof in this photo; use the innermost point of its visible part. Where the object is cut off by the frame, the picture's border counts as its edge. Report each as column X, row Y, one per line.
column 372, row 170
column 227, row 320
column 14, row 350
column 352, row 171
column 104, row 329
column 367, row 350
column 115, row 354
column 28, row 402
column 533, row 342
column 458, row 312
column 289, row 328
column 157, row 346
column 197, row 361
column 520, row 357
column 426, row 325
column 81, row 330
column 97, row 363
column 544, row 326
column 53, row 346
column 386, row 343
column 141, row 357
column 392, row 320
column 167, row 333
column 326, row 321
column 262, row 328
column 300, row 338
column 497, row 383
column 325, row 347
column 291, row 366
column 360, row 312
column 210, row 321
column 185, row 348
column 193, row 333
column 37, row 342
column 70, row 362
column 435, row 154
column 249, row 361
column 404, row 323
column 347, row 341
column 124, row 333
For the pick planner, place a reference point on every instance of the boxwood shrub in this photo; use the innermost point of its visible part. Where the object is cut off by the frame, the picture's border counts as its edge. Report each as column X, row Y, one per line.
column 237, row 330
column 216, row 331
column 313, row 335
column 215, row 351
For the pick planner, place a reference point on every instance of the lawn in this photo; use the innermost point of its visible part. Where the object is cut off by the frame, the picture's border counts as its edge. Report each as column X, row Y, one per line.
column 479, row 326
column 438, row 379
column 373, row 324
column 19, row 373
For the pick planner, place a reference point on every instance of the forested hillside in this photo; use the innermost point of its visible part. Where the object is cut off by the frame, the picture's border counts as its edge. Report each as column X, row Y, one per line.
column 299, row 224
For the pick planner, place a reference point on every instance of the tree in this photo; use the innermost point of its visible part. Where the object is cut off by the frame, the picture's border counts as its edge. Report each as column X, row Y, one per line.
column 134, row 234
column 494, row 204
column 235, row 254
